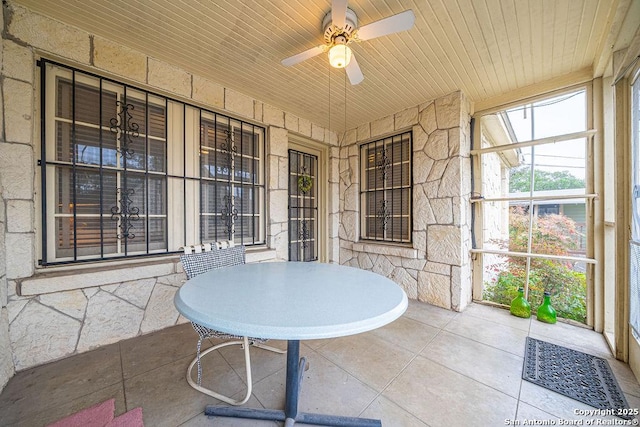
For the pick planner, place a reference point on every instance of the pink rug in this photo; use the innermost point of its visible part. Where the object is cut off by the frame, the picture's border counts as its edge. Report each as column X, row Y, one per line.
column 101, row 415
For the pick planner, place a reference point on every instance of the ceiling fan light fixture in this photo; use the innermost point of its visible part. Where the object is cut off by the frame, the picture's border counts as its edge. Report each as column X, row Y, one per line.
column 339, row 56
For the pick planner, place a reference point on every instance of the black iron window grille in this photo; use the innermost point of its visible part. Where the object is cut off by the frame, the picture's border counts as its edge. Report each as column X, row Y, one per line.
column 386, row 189
column 127, row 173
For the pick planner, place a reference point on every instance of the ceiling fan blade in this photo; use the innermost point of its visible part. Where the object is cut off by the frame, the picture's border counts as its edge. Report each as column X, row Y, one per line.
column 393, row 24
column 303, row 56
column 353, row 71
column 339, row 12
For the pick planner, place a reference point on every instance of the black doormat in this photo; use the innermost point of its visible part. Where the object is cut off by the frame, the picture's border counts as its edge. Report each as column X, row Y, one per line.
column 577, row 375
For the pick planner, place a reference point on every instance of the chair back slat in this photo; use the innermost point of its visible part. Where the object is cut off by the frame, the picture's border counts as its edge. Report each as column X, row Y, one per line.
column 217, row 256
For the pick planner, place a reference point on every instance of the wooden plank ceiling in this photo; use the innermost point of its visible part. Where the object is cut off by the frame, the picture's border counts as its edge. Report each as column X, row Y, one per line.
column 486, row 48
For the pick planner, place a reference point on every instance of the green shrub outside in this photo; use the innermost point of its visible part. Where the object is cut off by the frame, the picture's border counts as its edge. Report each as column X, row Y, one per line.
column 554, row 235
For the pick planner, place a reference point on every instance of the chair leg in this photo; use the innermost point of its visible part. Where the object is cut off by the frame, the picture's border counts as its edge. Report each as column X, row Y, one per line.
column 247, row 359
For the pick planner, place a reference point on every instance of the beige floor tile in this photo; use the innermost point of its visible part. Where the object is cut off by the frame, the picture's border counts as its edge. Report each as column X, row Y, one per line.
column 326, row 389
column 38, row 417
column 167, row 399
column 371, row 359
column 429, row 314
column 263, row 362
column 490, row 333
column 53, row 384
column 530, row 414
column 391, row 414
column 488, row 365
column 439, row 396
column 407, row 333
column 147, row 352
column 497, row 315
column 575, row 337
column 201, row 420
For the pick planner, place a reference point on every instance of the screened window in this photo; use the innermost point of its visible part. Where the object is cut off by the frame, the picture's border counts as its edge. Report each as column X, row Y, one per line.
column 129, row 173
column 385, row 197
column 532, row 202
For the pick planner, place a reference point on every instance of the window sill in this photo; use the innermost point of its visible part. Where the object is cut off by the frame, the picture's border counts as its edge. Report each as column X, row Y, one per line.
column 68, row 278
column 386, row 249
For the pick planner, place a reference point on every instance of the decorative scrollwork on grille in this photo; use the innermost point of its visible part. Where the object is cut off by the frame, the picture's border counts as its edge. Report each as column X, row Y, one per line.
column 229, row 214
column 384, row 164
column 383, row 214
column 124, row 213
column 229, row 147
column 304, row 233
column 125, row 129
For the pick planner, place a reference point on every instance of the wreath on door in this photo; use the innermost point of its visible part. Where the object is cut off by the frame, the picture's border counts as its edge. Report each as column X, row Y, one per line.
column 305, row 182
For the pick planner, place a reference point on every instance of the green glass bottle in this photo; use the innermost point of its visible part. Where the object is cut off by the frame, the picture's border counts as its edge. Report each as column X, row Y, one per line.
column 520, row 306
column 546, row 313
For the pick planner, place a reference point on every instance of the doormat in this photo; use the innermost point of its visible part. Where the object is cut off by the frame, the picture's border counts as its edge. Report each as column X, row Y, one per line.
column 575, row 374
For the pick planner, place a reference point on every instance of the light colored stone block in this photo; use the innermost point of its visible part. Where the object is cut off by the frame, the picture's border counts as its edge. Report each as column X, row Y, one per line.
column 168, row 77
column 349, row 137
column 17, row 61
column 78, row 280
column 382, row 126
column 20, row 255
column 102, row 326
column 443, row 244
column 428, row 118
column 19, row 216
column 40, row 334
column 291, row 122
column 437, row 146
column 448, row 113
column 258, row 110
column 451, row 180
column 304, row 127
column 278, row 142
column 161, row 311
column 18, row 111
column 278, row 206
column 443, row 210
column 422, row 165
column 437, row 170
column 364, row 132
column 406, row 118
column 239, row 103
column 317, row 132
column 208, row 92
column 136, row 292
column 406, row 282
column 383, row 266
column 434, row 289
column 119, row 59
column 273, row 116
column 71, row 303
column 49, row 35
column 420, row 138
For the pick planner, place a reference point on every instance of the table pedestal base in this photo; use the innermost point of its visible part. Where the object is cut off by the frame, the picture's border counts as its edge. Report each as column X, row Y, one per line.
column 290, row 415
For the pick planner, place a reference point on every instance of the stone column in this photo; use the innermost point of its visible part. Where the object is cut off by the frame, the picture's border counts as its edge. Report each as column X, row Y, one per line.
column 277, row 193
column 436, row 267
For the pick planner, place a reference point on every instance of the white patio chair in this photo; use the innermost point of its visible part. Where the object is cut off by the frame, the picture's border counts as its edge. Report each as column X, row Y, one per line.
column 200, row 259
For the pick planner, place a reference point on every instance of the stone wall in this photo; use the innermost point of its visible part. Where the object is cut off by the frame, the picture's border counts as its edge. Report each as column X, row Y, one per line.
column 54, row 312
column 436, row 267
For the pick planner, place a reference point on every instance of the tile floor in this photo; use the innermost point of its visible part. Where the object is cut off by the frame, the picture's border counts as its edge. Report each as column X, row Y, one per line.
column 431, row 367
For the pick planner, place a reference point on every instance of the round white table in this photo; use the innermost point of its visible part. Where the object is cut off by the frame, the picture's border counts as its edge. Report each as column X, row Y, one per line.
column 291, row 301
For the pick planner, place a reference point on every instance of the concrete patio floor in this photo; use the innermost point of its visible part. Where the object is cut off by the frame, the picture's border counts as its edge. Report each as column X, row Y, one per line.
column 431, row 367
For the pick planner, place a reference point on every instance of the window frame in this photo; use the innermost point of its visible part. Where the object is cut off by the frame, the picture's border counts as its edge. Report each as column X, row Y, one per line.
column 183, row 210
column 398, row 137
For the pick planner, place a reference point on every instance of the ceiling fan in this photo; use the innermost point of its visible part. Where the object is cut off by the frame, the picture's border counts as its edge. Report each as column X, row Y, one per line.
column 340, row 27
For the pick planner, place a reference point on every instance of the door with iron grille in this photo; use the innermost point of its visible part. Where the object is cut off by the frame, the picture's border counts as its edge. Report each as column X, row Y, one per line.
column 303, row 206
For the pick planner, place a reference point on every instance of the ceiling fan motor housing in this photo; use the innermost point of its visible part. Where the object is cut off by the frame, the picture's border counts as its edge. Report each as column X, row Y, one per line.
column 331, row 31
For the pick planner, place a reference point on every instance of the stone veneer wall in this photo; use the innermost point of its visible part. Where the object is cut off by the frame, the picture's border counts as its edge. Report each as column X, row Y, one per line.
column 55, row 312
column 436, row 268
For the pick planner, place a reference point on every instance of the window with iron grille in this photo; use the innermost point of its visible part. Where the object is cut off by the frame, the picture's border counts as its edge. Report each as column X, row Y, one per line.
column 126, row 172
column 385, row 196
